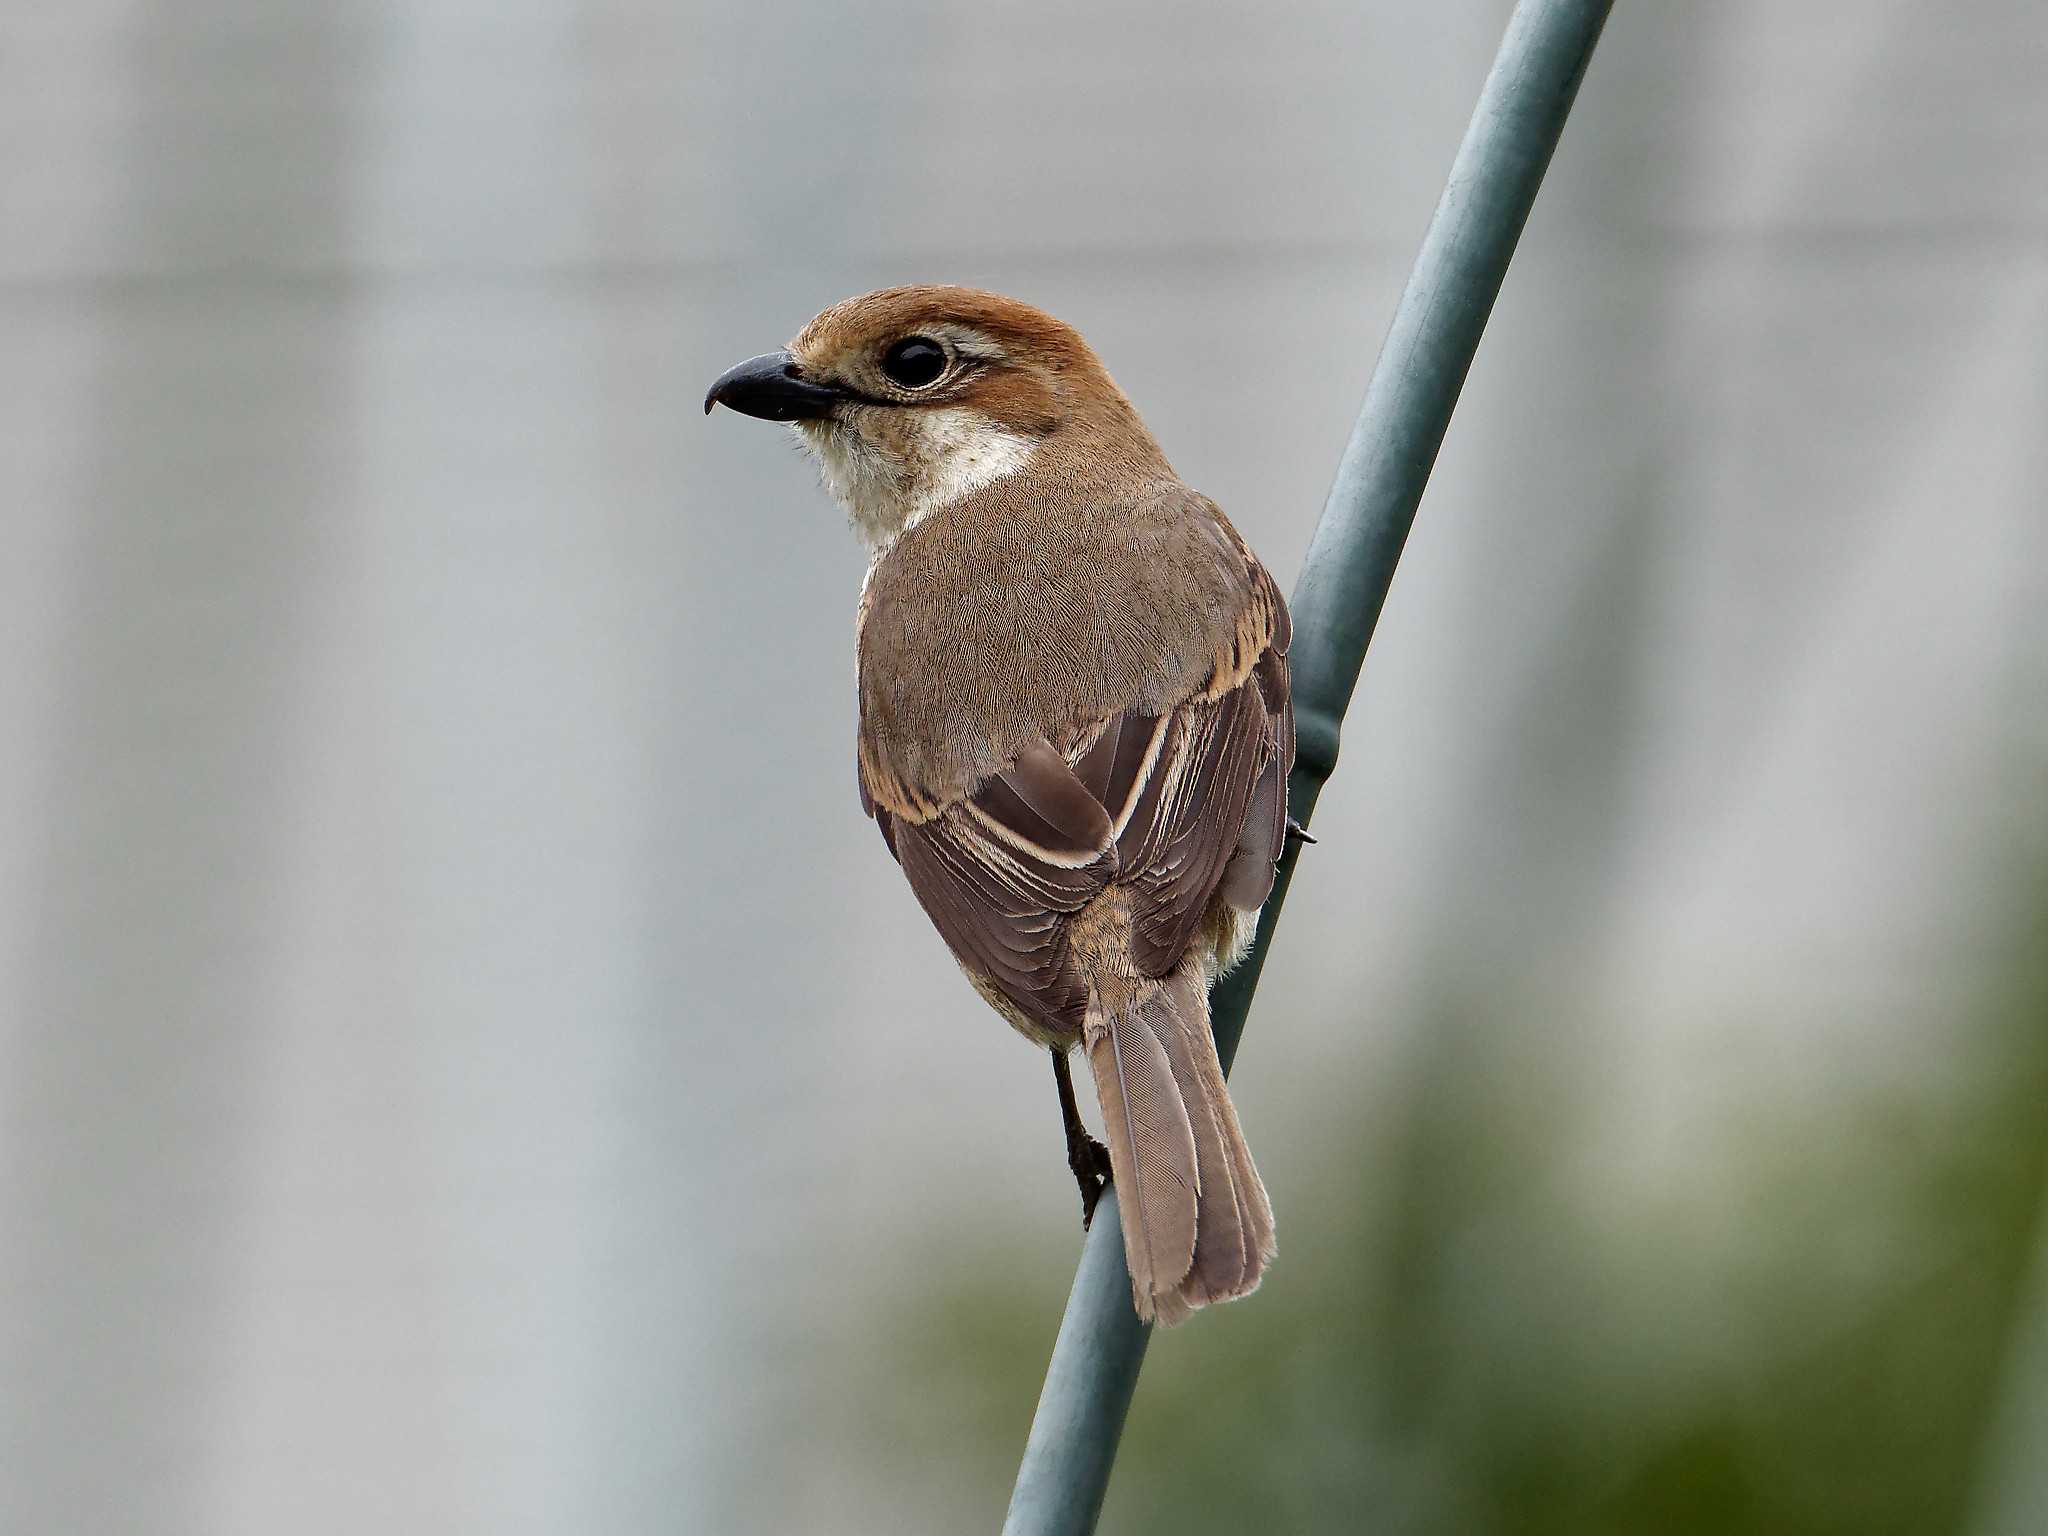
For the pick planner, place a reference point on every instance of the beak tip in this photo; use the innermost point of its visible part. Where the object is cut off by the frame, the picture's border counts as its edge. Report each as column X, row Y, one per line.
column 773, row 388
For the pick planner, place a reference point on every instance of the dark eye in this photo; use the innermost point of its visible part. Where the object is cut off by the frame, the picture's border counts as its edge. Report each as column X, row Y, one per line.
column 914, row 362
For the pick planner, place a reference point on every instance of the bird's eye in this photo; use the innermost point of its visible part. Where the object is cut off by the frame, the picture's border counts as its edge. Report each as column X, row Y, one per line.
column 914, row 362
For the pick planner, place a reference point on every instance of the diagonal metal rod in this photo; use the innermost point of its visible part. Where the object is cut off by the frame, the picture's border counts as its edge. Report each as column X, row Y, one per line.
column 1408, row 405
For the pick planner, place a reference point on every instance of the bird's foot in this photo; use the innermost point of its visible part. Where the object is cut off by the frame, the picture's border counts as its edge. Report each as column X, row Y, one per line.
column 1089, row 1159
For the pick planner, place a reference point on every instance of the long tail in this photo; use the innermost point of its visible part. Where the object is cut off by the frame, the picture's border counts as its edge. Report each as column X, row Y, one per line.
column 1197, row 1225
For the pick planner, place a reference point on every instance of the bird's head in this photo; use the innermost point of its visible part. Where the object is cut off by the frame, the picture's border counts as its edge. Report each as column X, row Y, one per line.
column 914, row 398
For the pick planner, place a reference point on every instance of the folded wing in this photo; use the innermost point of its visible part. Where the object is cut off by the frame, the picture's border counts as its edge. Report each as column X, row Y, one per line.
column 1175, row 807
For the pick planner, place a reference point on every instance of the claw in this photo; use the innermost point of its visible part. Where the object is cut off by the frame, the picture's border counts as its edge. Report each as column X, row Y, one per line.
column 1089, row 1160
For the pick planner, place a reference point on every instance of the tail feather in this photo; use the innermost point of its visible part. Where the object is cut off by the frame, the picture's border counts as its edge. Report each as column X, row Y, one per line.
column 1151, row 1148
column 1218, row 1271
column 1255, row 1211
column 1196, row 1221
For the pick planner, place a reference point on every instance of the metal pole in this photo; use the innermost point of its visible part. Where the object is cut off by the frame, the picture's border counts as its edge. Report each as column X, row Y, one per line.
column 1344, row 580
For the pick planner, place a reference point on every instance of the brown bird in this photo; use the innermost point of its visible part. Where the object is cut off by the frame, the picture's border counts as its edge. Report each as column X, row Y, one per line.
column 1075, row 728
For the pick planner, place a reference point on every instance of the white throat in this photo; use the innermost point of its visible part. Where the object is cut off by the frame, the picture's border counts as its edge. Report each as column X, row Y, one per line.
column 888, row 488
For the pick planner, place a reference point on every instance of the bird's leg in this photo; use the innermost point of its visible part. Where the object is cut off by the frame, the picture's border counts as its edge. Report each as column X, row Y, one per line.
column 1087, row 1157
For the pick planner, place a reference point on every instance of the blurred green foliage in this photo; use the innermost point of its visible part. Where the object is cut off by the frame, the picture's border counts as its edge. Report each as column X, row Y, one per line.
column 1472, row 1331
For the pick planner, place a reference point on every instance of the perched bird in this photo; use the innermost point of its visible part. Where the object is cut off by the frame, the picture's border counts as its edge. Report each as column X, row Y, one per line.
column 1075, row 728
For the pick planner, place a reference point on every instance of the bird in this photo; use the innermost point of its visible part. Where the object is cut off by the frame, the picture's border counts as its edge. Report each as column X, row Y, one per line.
column 1075, row 728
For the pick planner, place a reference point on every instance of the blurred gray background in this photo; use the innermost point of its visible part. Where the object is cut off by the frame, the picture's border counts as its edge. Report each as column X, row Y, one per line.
column 467, row 1065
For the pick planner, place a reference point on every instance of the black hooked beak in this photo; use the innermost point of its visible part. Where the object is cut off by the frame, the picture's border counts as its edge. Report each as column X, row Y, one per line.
column 772, row 387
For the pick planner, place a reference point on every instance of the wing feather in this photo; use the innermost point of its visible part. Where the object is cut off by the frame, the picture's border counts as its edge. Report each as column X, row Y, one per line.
column 1176, row 807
